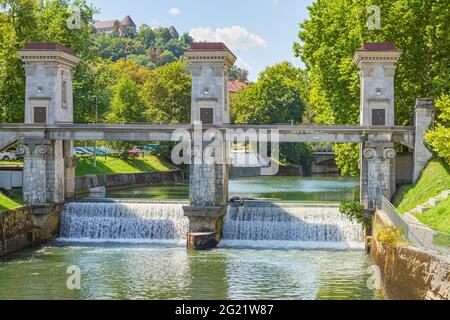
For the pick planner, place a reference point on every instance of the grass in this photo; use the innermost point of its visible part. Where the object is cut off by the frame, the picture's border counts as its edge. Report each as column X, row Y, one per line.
column 10, row 203
column 112, row 165
column 435, row 179
column 11, row 163
column 438, row 217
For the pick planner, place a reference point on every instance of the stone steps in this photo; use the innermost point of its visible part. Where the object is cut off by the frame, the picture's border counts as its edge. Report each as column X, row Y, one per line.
column 433, row 202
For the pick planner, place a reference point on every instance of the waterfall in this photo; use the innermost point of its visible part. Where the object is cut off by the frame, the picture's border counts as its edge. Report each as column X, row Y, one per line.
column 93, row 221
column 294, row 224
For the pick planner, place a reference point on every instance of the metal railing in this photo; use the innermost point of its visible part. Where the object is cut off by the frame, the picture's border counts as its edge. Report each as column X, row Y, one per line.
column 418, row 234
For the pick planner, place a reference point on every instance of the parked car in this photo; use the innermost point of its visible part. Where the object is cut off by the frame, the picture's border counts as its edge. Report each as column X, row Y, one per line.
column 8, row 156
column 79, row 151
column 134, row 153
column 150, row 147
column 87, row 151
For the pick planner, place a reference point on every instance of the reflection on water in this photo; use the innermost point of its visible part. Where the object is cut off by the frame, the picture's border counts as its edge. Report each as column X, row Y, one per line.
column 273, row 188
column 162, row 272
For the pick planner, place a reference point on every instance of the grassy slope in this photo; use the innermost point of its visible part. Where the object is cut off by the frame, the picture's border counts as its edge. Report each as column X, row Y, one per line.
column 8, row 203
column 434, row 180
column 112, row 165
column 438, row 217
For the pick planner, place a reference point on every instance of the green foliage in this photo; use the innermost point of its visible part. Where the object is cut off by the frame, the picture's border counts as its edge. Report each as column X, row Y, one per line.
column 347, row 158
column 353, row 210
column 142, row 60
column 24, row 21
column 438, row 138
column 238, row 74
column 337, row 28
column 435, row 179
column 437, row 217
column 167, row 92
column 275, row 99
column 127, row 105
column 389, row 235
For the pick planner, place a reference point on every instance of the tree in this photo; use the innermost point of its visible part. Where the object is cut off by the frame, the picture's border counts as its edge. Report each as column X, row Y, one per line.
column 167, row 93
column 276, row 98
column 127, row 105
column 34, row 20
column 336, row 28
column 146, row 36
column 438, row 138
column 238, row 74
column 142, row 60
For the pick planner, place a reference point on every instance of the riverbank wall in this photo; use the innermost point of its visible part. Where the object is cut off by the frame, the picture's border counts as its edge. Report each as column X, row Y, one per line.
column 85, row 183
column 28, row 226
column 407, row 272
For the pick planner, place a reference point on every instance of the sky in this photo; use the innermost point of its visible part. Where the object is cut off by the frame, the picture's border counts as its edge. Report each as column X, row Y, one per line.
column 260, row 32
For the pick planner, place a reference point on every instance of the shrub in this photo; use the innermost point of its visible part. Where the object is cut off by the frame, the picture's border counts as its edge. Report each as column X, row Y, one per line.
column 354, row 210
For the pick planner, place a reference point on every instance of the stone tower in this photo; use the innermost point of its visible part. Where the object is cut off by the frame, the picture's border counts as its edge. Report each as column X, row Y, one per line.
column 210, row 65
column 377, row 63
column 49, row 167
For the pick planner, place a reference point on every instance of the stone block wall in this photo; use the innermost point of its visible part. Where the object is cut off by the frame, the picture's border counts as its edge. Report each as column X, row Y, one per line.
column 28, row 226
column 410, row 273
column 83, row 184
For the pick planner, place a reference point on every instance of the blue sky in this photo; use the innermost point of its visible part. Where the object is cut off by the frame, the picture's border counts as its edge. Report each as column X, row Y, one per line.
column 259, row 32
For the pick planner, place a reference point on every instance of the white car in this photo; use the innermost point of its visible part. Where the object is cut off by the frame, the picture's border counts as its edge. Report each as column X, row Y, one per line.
column 8, row 156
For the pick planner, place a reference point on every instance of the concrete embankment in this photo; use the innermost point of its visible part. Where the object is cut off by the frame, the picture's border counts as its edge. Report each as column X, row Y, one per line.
column 27, row 226
column 409, row 273
column 85, row 183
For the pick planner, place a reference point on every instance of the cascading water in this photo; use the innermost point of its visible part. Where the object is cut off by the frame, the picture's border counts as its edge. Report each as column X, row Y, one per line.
column 292, row 224
column 83, row 221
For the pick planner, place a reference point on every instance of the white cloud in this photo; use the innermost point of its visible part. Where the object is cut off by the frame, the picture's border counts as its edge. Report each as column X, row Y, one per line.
column 174, row 11
column 235, row 37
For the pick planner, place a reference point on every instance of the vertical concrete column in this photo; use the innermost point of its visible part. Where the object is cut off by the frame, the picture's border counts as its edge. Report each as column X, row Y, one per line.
column 424, row 115
column 35, row 172
column 48, row 100
column 380, row 177
column 377, row 63
column 71, row 163
column 210, row 64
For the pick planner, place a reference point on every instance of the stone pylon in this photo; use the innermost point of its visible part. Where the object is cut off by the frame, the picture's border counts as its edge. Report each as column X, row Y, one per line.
column 49, row 166
column 210, row 65
column 377, row 63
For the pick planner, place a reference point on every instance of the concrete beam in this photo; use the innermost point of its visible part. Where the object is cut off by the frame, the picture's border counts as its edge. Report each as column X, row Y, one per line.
column 151, row 132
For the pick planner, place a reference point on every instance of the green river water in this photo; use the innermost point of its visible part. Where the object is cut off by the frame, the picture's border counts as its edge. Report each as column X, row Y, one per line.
column 169, row 271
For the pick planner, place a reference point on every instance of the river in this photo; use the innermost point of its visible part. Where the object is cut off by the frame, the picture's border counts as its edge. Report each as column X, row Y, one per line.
column 318, row 188
column 306, row 253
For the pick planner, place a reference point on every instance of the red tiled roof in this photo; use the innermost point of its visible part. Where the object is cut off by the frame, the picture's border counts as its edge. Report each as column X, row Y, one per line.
column 235, row 86
column 209, row 46
column 382, row 46
column 45, row 46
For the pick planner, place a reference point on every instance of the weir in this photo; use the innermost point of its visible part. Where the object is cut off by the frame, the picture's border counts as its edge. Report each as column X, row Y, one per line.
column 140, row 222
column 255, row 223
